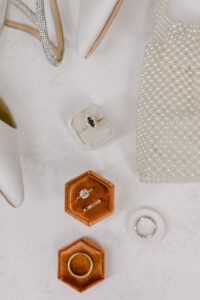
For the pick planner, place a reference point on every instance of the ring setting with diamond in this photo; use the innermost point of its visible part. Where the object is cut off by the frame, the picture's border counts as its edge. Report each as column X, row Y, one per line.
column 84, row 194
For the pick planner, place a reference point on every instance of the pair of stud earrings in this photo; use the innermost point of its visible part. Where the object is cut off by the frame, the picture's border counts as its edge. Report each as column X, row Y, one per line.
column 84, row 194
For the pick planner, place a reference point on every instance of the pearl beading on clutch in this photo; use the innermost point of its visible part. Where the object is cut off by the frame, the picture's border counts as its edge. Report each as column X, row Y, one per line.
column 168, row 121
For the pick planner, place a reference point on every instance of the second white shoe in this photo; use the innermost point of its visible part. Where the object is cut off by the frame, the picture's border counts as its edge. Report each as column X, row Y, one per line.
column 95, row 18
column 11, row 181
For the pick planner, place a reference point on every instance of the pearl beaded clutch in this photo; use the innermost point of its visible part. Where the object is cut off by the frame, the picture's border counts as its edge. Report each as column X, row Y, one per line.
column 168, row 121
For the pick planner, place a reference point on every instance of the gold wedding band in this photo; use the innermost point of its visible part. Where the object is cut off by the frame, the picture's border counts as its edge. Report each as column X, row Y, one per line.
column 92, row 205
column 80, row 276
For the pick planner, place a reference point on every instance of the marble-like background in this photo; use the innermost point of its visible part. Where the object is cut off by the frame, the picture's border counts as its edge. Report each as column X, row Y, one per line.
column 42, row 99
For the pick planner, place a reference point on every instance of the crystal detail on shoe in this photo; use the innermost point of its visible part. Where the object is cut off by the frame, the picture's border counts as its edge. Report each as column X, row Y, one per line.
column 84, row 194
column 38, row 18
column 168, row 119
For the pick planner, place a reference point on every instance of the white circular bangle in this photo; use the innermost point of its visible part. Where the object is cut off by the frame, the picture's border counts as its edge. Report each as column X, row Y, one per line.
column 76, row 275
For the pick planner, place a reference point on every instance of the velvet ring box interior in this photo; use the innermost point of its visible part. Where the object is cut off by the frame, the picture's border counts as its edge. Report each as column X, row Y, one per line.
column 80, row 264
column 89, row 198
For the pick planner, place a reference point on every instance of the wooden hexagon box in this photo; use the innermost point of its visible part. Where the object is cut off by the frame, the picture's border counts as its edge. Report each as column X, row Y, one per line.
column 101, row 192
column 80, row 265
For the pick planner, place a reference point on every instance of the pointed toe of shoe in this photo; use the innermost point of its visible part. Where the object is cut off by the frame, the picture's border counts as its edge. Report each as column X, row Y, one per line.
column 83, row 49
column 15, row 194
column 15, row 197
column 11, row 181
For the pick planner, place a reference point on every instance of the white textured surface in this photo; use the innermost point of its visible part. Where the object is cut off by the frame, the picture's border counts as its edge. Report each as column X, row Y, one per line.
column 43, row 99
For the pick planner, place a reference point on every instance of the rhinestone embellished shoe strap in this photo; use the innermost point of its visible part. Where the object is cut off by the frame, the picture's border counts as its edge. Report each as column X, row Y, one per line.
column 38, row 18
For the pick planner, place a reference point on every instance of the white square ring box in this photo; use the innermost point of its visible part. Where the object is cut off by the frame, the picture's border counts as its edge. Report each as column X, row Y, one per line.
column 91, row 126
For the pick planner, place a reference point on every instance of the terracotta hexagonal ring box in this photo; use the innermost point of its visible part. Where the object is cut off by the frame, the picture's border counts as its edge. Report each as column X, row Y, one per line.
column 89, row 198
column 81, row 264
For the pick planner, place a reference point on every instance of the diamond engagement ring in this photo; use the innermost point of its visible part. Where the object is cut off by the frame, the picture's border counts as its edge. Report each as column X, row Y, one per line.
column 84, row 194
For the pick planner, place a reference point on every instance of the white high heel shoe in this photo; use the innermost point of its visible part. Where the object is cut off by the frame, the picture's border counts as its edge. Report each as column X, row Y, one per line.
column 53, row 53
column 95, row 18
column 11, row 182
